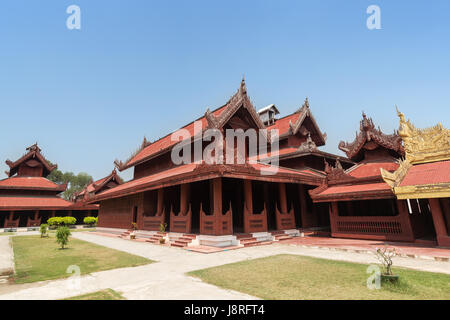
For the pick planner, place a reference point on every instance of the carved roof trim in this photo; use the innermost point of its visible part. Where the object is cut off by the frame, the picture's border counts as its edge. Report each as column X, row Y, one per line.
column 33, row 152
column 367, row 133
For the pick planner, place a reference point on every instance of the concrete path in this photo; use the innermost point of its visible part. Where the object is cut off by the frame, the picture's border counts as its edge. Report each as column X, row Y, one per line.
column 166, row 278
column 6, row 256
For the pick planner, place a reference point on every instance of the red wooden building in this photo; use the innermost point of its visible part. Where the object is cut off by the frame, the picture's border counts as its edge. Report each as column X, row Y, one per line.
column 362, row 205
column 28, row 198
column 225, row 199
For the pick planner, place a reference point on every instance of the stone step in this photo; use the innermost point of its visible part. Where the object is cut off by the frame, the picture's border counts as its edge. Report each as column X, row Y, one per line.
column 179, row 245
column 257, row 243
column 248, row 240
column 280, row 237
column 4, row 279
column 243, row 236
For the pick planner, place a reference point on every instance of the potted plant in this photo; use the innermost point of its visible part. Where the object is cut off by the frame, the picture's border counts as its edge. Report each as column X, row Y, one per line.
column 162, row 229
column 385, row 256
column 133, row 232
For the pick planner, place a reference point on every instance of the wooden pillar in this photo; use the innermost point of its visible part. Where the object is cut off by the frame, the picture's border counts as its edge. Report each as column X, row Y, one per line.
column 217, row 191
column 160, row 202
column 69, row 213
column 407, row 230
column 282, row 197
column 248, row 195
column 334, row 212
column 36, row 214
column 306, row 220
column 184, row 198
column 445, row 205
column 442, row 236
column 89, row 213
column 53, row 213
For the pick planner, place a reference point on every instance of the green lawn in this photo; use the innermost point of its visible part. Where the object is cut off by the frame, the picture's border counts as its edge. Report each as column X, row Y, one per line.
column 7, row 233
column 39, row 258
column 300, row 277
column 107, row 294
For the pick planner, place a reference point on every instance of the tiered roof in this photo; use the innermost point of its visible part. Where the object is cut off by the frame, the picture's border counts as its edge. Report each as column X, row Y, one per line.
column 363, row 181
column 368, row 133
column 291, row 125
column 31, row 183
column 211, row 120
column 202, row 171
column 33, row 157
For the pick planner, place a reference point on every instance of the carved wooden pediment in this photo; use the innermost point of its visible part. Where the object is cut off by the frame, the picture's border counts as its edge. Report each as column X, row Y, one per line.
column 369, row 137
column 424, row 145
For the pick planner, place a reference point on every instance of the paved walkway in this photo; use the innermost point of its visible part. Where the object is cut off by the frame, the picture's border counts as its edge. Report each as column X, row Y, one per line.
column 6, row 256
column 166, row 278
column 412, row 250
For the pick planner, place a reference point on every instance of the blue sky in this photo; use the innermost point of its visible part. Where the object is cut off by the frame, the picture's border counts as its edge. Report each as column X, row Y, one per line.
column 148, row 67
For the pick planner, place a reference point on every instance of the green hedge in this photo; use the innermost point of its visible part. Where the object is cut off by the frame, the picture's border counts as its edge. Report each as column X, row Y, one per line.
column 61, row 221
column 92, row 221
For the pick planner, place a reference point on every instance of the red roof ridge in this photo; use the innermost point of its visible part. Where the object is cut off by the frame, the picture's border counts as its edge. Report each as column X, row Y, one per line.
column 211, row 119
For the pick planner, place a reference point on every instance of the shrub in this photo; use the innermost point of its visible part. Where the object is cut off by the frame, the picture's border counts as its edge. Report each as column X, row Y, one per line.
column 54, row 221
column 68, row 221
column 91, row 221
column 62, row 236
column 43, row 229
column 59, row 221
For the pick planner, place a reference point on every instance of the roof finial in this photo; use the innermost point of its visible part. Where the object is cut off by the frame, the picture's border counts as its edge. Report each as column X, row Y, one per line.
column 306, row 104
column 243, row 88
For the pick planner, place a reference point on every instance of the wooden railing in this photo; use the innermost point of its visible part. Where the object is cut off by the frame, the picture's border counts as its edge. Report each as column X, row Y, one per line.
column 216, row 224
column 255, row 222
column 285, row 220
column 181, row 222
column 12, row 223
column 369, row 225
column 34, row 222
column 152, row 223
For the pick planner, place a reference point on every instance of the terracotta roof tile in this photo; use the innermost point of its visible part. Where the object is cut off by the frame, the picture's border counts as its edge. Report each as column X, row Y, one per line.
column 282, row 124
column 29, row 182
column 371, row 169
column 427, row 173
column 33, row 202
column 355, row 188
column 167, row 142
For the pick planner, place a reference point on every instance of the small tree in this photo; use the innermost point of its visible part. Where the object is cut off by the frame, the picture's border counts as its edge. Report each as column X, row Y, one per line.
column 43, row 229
column 385, row 256
column 162, row 227
column 62, row 236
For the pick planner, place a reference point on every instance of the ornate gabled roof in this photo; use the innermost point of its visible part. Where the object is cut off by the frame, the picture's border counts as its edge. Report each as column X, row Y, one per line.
column 33, row 152
column 368, row 133
column 292, row 124
column 238, row 100
column 211, row 120
column 94, row 187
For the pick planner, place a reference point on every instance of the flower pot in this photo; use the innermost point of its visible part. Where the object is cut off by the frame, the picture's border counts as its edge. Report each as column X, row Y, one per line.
column 132, row 236
column 392, row 278
column 162, row 241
